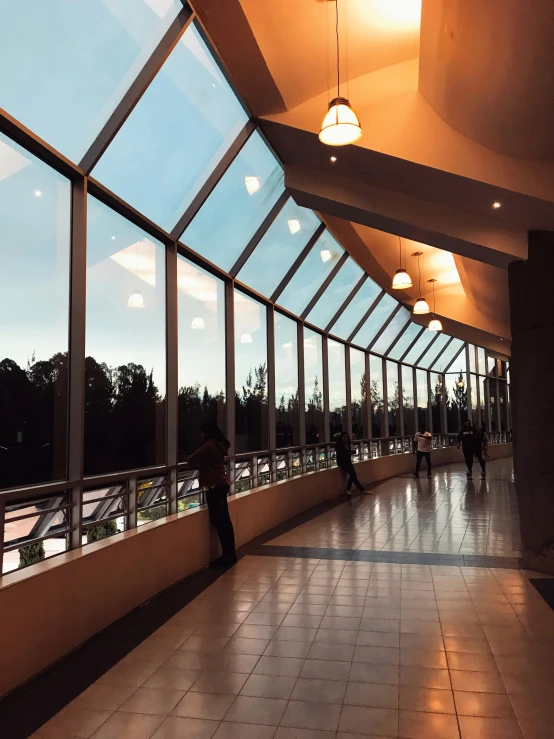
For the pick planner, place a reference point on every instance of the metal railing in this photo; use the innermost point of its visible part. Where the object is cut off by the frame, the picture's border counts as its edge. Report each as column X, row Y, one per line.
column 37, row 523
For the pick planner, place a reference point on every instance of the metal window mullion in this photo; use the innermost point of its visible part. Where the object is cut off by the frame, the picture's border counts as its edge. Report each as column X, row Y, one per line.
column 439, row 355
column 416, row 407
column 325, row 284
column 271, row 395
column 385, row 396
column 429, row 404
column 345, row 304
column 260, row 233
column 230, row 366
column 469, row 382
column 400, row 401
column 213, row 179
column 172, row 354
column 301, row 386
column 443, row 402
column 365, row 317
column 384, row 327
column 449, row 365
column 348, row 378
column 77, row 348
column 369, row 419
column 137, row 88
column 297, row 262
column 326, row 414
column 391, row 347
column 414, row 342
column 429, row 345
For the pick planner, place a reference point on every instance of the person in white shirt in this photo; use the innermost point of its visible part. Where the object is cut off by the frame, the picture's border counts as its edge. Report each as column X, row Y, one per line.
column 422, row 448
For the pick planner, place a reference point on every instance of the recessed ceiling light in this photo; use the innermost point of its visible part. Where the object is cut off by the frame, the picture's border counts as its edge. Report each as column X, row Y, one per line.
column 38, row 193
column 496, row 205
column 333, row 159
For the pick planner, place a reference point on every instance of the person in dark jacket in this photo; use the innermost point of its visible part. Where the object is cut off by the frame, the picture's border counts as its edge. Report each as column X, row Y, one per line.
column 481, row 445
column 466, row 439
column 344, row 461
column 212, row 476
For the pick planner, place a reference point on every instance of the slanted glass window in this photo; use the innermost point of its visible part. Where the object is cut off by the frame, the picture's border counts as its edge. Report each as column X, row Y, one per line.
column 437, row 400
column 472, row 363
column 410, row 334
column 335, row 294
column 358, row 394
column 377, row 397
column 422, row 398
column 356, row 309
column 375, row 321
column 503, row 405
column 286, row 381
column 311, row 274
column 481, row 363
column 392, row 331
column 125, row 369
column 434, row 350
column 251, row 416
column 35, row 217
column 71, row 63
column 201, row 363
column 408, row 400
column 237, row 206
column 492, row 366
column 313, row 374
column 177, row 133
column 419, row 347
column 337, row 387
column 393, row 398
column 279, row 248
column 448, row 355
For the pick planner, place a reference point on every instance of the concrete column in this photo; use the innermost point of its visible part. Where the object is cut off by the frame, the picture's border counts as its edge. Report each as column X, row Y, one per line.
column 531, row 370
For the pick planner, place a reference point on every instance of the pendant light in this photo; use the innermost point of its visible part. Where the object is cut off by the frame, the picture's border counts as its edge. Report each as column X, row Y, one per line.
column 401, row 279
column 421, row 307
column 340, row 125
column 434, row 323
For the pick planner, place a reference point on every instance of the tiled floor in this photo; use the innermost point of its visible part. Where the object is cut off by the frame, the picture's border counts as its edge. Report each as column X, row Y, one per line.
column 446, row 514
column 299, row 648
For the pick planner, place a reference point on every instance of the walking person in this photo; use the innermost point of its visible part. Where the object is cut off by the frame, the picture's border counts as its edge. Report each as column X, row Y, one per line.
column 210, row 461
column 466, row 439
column 344, row 453
column 422, row 449
column 481, row 446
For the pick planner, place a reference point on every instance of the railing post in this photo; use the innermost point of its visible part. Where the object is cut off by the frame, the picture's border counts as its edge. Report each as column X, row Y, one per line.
column 273, row 466
column 132, row 503
column 254, row 470
column 2, row 529
column 289, row 465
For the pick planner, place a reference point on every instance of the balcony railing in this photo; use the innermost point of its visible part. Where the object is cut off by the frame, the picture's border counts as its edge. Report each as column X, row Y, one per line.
column 41, row 522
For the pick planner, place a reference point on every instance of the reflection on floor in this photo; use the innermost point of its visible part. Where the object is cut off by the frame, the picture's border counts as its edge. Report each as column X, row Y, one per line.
column 300, row 648
column 447, row 513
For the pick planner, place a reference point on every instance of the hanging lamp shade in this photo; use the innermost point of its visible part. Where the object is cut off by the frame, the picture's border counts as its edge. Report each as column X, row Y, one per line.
column 401, row 280
column 421, row 307
column 340, row 125
column 435, row 325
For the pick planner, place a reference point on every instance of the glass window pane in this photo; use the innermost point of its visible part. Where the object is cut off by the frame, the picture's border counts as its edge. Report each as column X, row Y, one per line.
column 408, row 400
column 356, row 309
column 358, row 394
column 177, row 133
column 125, row 344
column 337, row 386
column 474, row 404
column 437, row 394
column 286, row 381
column 455, row 393
column 492, row 366
column 472, row 364
column 311, row 274
column 503, row 405
column 482, row 367
column 375, row 321
column 493, row 402
column 335, row 294
column 391, row 332
column 71, row 63
column 251, row 419
column 401, row 346
column 201, row 363
column 377, row 397
column 483, row 399
column 35, row 214
column 393, row 398
column 237, row 206
column 448, row 355
column 434, row 349
column 419, row 347
column 313, row 374
column 459, row 365
column 279, row 248
column 422, row 398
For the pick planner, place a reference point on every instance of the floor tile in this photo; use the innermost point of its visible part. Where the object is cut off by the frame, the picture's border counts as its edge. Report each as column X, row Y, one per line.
column 284, row 666
column 229, row 730
column 426, row 699
column 172, row 678
column 420, row 725
column 203, row 705
column 360, row 720
column 75, row 721
column 269, row 686
column 308, row 715
column 488, row 705
column 226, row 683
column 175, row 727
column 266, row 711
column 371, row 694
column 477, row 682
column 326, row 670
column 104, row 697
column 425, row 677
column 157, row 701
column 127, row 726
column 319, row 691
column 489, row 728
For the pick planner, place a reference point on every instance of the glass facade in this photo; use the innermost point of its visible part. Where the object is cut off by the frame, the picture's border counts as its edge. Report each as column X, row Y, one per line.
column 139, row 298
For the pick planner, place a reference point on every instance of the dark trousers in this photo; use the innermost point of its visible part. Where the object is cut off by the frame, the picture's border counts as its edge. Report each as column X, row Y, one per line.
column 216, row 499
column 468, row 456
column 479, row 458
column 352, row 478
column 419, row 457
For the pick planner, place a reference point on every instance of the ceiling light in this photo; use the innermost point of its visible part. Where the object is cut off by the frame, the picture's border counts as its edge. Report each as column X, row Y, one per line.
column 325, row 255
column 333, row 159
column 294, row 226
column 135, row 301
column 421, row 307
column 197, row 324
column 252, row 183
column 434, row 323
column 246, row 338
column 340, row 125
column 38, row 193
column 496, row 205
column 401, row 279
